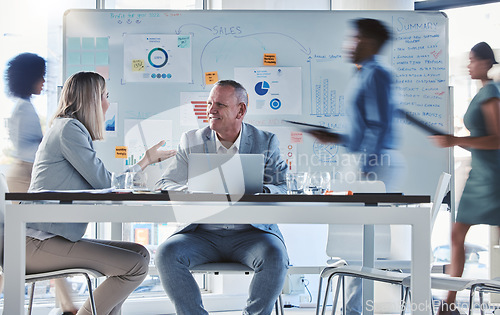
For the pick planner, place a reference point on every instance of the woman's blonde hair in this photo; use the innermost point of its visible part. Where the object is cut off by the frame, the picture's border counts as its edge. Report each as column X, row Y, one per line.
column 81, row 100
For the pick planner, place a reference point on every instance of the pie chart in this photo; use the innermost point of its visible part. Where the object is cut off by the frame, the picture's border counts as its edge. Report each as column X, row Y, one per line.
column 158, row 57
column 275, row 104
column 261, row 88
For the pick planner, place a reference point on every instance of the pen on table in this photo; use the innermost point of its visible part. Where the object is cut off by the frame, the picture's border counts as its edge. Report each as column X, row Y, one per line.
column 339, row 193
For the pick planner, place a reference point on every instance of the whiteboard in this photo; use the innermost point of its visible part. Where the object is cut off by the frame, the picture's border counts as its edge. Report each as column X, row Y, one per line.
column 159, row 66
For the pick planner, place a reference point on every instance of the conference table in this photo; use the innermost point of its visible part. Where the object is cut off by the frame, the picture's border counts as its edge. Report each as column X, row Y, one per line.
column 366, row 209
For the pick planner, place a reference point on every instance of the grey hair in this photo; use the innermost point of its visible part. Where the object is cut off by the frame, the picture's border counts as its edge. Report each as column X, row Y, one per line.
column 239, row 90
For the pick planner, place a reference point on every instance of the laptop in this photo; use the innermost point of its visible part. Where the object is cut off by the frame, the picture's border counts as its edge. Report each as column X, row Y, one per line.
column 225, row 173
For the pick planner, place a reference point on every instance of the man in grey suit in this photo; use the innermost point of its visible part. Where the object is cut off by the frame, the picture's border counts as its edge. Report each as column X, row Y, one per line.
column 259, row 246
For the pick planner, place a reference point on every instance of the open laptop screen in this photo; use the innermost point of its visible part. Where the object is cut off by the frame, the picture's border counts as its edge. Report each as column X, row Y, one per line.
column 226, row 173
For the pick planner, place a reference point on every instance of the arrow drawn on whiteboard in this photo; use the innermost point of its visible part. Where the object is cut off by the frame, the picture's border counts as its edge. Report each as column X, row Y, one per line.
column 305, row 50
column 201, row 60
column 310, row 80
column 178, row 31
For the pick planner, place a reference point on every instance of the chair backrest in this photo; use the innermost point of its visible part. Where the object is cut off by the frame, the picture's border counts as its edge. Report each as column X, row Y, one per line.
column 3, row 190
column 441, row 190
column 345, row 241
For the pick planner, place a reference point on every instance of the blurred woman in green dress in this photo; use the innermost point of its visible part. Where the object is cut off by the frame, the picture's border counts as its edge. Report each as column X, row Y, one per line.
column 479, row 203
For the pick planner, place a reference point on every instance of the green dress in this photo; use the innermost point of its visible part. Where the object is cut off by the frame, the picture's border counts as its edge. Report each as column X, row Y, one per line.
column 480, row 202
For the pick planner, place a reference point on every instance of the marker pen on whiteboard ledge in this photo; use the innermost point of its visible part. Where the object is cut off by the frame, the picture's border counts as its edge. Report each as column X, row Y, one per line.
column 338, row 193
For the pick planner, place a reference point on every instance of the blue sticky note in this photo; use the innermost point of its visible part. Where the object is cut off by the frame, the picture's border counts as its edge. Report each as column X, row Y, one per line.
column 183, row 41
column 101, row 58
column 73, row 43
column 101, row 43
column 73, row 57
column 70, row 70
column 88, row 68
column 88, row 58
column 88, row 43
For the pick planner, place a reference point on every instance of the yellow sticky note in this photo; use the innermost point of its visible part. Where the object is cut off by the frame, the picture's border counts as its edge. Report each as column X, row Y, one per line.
column 211, row 77
column 138, row 65
column 121, row 152
column 269, row 59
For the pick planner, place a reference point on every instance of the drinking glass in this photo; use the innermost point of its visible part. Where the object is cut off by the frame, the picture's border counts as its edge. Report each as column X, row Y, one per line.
column 115, row 181
column 141, row 181
column 319, row 182
column 326, row 180
column 129, row 180
column 296, row 182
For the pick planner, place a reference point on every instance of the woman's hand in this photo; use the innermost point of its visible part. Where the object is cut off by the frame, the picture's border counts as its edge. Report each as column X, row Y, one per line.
column 154, row 155
column 444, row 141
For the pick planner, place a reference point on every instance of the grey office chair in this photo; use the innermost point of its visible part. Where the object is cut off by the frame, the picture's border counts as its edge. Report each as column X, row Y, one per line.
column 33, row 278
column 443, row 282
column 63, row 273
column 376, row 274
column 233, row 268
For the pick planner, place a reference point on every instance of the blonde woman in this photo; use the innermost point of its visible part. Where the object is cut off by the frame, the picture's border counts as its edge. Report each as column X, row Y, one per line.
column 66, row 160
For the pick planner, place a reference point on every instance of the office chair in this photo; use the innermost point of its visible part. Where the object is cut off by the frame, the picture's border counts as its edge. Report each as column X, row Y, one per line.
column 233, row 268
column 63, row 273
column 34, row 277
column 443, row 282
column 376, row 274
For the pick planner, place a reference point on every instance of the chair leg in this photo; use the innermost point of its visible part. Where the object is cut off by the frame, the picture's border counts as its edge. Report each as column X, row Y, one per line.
column 91, row 295
column 32, row 292
column 318, row 303
column 336, row 297
column 482, row 307
column 432, row 306
column 328, row 281
column 343, row 297
column 282, row 309
column 471, row 299
column 404, row 299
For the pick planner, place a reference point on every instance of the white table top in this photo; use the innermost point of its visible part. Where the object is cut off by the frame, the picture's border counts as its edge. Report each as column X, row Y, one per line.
column 305, row 212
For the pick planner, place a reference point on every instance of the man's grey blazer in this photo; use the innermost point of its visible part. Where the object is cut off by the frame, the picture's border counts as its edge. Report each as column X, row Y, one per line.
column 253, row 140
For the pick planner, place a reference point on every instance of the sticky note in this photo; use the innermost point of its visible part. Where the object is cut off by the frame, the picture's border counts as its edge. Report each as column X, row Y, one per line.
column 269, row 59
column 120, row 152
column 183, row 41
column 88, row 43
column 89, row 68
column 101, row 43
column 101, row 58
column 103, row 71
column 296, row 137
column 73, row 43
column 138, row 65
column 70, row 70
column 211, row 77
column 73, row 57
column 87, row 58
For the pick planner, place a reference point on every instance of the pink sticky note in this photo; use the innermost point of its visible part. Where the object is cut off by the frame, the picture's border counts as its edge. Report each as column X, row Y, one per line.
column 296, row 137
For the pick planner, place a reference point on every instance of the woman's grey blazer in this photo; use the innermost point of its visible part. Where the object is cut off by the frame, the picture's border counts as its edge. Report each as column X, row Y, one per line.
column 66, row 160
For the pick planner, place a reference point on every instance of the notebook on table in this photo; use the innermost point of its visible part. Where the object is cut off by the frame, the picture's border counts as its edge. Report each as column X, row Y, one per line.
column 225, row 173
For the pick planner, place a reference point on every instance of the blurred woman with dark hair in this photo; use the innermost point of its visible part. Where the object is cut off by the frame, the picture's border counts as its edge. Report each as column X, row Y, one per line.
column 25, row 77
column 479, row 203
